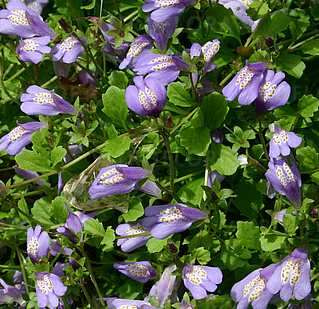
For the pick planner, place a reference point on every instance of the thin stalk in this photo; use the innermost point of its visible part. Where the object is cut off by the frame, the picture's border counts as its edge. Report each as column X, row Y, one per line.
column 24, row 275
column 92, row 277
column 190, row 115
column 14, row 76
column 53, row 79
column 2, row 84
column 86, row 294
column 78, row 159
column 225, row 80
column 128, row 17
column 262, row 139
column 303, row 42
column 170, row 160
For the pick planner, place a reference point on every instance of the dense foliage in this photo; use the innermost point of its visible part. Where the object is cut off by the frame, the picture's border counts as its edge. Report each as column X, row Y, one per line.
column 179, row 134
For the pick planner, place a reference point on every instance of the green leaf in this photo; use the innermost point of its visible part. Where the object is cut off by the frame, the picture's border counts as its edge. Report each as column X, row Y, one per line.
column 178, row 95
column 315, row 177
column 94, row 227
column 24, row 210
column 273, row 24
column 271, row 243
column 59, row 211
column 114, row 106
column 308, row 158
column 108, row 239
column 248, row 234
column 202, row 255
column 214, row 109
column 195, row 140
column 192, row 192
column 311, row 47
column 33, row 161
column 41, row 212
column 135, row 211
column 308, row 105
column 156, row 245
column 290, row 224
column 117, row 146
column 118, row 79
column 223, row 160
column 292, row 64
column 90, row 6
column 57, row 155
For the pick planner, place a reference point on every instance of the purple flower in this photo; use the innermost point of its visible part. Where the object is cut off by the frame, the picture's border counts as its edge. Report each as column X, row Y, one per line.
column 208, row 51
column 214, row 176
column 280, row 215
column 40, row 101
column 281, row 142
column 18, row 19
column 200, row 279
column 252, row 289
column 151, row 188
column 164, row 9
column 292, row 277
column 11, row 294
column 38, row 243
column 133, row 241
column 49, row 288
column 116, row 179
column 116, row 53
column 165, row 220
column 119, row 303
column 19, row 137
column 29, row 175
column 137, row 46
column 33, row 49
column 163, row 68
column 285, row 179
column 85, row 78
column 73, row 225
column 68, row 50
column 245, row 84
column 239, row 8
column 164, row 287
column 36, row 5
column 273, row 92
column 138, row 271
column 218, row 136
column 161, row 32
column 147, row 97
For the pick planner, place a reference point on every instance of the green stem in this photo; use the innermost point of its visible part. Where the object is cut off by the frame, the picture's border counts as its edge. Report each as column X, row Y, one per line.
column 86, row 294
column 78, row 159
column 2, row 84
column 225, row 80
column 303, row 42
column 92, row 277
column 21, row 261
column 53, row 79
column 185, row 119
column 262, row 139
column 128, row 17
column 170, row 160
column 14, row 76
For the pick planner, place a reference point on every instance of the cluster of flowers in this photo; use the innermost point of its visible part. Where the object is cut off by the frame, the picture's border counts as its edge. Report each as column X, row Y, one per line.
column 48, row 285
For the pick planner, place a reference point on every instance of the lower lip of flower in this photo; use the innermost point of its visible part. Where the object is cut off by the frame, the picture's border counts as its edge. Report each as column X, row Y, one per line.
column 18, row 18
column 291, row 272
column 197, row 275
column 33, row 246
column 171, row 215
column 111, row 177
column 43, row 98
column 45, row 285
column 138, row 270
column 16, row 133
column 267, row 91
column 244, row 78
column 254, row 288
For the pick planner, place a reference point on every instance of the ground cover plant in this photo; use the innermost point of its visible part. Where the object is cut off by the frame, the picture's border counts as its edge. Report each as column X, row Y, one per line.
column 159, row 154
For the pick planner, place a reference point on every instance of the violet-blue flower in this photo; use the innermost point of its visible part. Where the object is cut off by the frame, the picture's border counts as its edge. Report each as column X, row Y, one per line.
column 285, row 179
column 252, row 289
column 239, row 9
column 161, row 32
column 273, row 92
column 147, row 97
column 40, row 101
column 134, row 241
column 116, row 179
column 29, row 175
column 164, row 287
column 245, row 85
column 10, row 294
column 49, row 288
column 163, row 68
column 18, row 19
column 38, row 243
column 292, row 277
column 120, row 303
column 68, row 50
column 36, row 5
column 19, row 137
column 200, row 279
column 208, row 51
column 165, row 220
column 139, row 271
column 140, row 43
column 33, row 49
column 163, row 9
column 73, row 225
column 282, row 141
